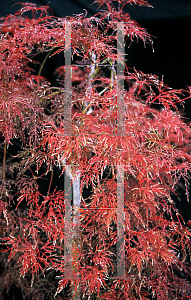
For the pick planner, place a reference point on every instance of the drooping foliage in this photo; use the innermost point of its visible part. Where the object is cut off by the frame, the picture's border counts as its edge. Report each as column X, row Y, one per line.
column 155, row 153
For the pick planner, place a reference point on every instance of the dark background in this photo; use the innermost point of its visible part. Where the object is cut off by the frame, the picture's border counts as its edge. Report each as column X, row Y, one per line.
column 169, row 22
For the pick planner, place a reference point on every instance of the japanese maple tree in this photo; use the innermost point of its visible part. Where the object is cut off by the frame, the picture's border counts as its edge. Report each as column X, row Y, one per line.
column 153, row 153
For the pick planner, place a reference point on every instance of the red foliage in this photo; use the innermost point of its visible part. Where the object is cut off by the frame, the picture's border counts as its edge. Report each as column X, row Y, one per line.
column 155, row 152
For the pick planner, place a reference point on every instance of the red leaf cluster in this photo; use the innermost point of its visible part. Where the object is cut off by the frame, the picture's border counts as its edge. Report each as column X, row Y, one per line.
column 155, row 153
